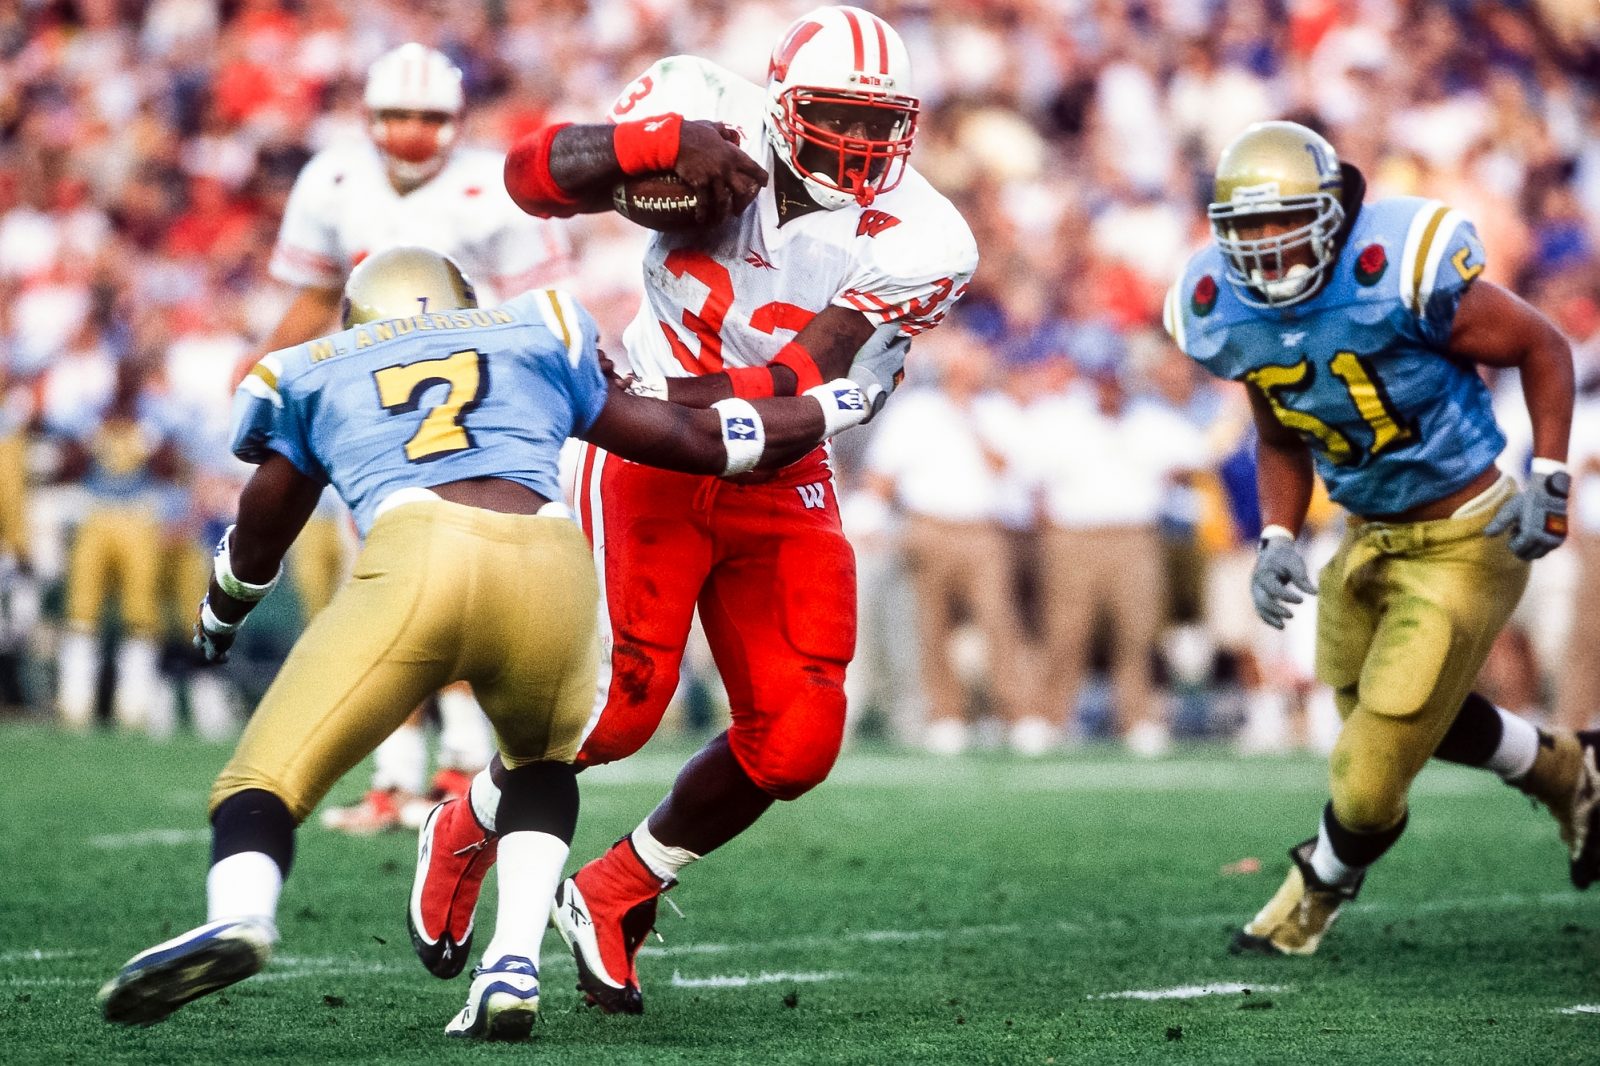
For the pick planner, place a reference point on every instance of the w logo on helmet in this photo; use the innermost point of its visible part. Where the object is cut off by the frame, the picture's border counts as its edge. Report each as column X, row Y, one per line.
column 784, row 54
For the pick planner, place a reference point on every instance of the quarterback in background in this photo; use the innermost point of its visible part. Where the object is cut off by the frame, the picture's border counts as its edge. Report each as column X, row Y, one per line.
column 411, row 183
column 441, row 433
column 1357, row 329
column 766, row 287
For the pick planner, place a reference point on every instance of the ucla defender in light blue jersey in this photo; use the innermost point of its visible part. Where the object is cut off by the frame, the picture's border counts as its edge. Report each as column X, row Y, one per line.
column 439, row 423
column 1357, row 330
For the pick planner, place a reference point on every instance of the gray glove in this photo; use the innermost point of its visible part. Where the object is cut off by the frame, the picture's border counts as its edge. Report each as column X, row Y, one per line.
column 1280, row 570
column 879, row 365
column 1536, row 516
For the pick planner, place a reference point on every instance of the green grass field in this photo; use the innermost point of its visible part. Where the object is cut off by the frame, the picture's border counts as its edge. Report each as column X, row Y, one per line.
column 911, row 910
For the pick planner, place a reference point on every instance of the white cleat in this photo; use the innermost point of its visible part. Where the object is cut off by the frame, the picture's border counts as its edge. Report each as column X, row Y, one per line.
column 502, row 1004
column 156, row 982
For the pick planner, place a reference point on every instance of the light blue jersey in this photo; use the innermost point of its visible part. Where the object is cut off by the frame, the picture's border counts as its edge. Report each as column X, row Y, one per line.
column 1361, row 370
column 421, row 401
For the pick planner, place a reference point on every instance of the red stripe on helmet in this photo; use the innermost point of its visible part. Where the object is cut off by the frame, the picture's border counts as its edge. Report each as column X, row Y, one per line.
column 857, row 39
column 883, row 45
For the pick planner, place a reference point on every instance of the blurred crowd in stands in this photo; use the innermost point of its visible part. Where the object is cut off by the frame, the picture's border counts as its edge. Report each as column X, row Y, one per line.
column 1055, row 517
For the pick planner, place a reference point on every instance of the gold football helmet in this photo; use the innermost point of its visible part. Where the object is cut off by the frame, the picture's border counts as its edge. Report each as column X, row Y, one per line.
column 1282, row 169
column 402, row 282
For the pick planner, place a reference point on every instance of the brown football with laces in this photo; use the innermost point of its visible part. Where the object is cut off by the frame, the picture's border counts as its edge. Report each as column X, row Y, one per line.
column 658, row 201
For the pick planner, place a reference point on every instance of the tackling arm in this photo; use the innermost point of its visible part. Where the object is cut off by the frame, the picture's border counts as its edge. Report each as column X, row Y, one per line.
column 735, row 437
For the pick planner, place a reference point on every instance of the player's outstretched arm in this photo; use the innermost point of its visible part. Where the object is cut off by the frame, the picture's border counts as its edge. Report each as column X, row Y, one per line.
column 733, row 437
column 563, row 170
column 275, row 505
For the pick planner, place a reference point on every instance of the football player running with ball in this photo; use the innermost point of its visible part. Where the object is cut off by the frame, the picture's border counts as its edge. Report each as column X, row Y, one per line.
column 775, row 286
column 1357, row 329
column 440, row 430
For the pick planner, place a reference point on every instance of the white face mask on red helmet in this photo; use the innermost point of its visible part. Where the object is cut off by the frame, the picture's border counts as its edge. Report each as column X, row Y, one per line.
column 414, row 77
column 840, row 113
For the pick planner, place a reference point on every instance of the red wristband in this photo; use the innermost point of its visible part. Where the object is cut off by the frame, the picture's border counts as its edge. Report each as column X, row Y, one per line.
column 751, row 382
column 528, row 180
column 648, row 145
column 807, row 374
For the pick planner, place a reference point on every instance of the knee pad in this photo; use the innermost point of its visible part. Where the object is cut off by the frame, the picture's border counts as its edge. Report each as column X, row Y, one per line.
column 793, row 753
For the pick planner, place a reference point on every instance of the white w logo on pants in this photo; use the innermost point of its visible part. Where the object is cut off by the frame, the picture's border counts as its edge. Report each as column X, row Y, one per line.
column 814, row 495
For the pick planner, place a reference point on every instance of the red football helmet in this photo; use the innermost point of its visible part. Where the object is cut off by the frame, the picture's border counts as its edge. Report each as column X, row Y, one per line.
column 840, row 112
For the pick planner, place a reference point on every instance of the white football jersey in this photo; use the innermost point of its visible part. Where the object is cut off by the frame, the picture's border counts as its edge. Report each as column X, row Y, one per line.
column 734, row 296
column 343, row 208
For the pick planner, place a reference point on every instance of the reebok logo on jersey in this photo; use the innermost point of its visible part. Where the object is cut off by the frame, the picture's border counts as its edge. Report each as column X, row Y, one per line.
column 755, row 260
column 1292, row 339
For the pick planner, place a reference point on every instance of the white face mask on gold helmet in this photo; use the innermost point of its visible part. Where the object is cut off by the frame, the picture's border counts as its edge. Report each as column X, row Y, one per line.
column 414, row 78
column 840, row 113
column 1276, row 169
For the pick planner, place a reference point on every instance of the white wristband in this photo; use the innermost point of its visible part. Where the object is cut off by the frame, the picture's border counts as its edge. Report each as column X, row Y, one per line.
column 1273, row 532
column 222, row 570
column 743, row 435
column 653, row 387
column 212, row 624
column 1544, row 467
column 843, row 405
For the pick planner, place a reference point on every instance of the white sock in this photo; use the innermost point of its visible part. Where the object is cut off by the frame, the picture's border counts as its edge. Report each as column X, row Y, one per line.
column 485, row 798
column 1328, row 867
column 529, row 865
column 211, row 707
column 464, row 739
column 1519, row 747
column 402, row 761
column 244, row 885
column 136, row 683
column 78, row 659
column 664, row 860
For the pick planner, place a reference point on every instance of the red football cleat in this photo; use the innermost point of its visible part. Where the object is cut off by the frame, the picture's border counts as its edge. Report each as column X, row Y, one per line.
column 453, row 854
column 604, row 912
column 378, row 812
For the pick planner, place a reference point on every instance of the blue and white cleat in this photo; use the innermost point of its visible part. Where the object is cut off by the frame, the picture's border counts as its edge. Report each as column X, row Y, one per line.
column 156, row 982
column 502, row 1004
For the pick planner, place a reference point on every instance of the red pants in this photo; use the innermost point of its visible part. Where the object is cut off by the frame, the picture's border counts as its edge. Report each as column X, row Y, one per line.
column 775, row 581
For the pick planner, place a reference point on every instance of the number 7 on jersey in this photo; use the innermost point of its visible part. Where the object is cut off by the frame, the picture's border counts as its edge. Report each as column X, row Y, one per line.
column 400, row 390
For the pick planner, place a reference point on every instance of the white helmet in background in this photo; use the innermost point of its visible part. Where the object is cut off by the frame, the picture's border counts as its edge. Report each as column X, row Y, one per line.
column 840, row 111
column 414, row 78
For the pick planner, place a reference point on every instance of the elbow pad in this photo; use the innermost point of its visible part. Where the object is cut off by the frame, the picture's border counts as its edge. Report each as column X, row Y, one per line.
column 528, row 180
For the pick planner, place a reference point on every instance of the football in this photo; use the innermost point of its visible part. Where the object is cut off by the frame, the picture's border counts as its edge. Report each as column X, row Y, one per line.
column 657, row 201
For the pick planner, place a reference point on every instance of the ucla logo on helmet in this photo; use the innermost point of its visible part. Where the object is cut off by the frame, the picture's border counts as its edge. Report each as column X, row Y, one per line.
column 1204, row 299
column 1371, row 264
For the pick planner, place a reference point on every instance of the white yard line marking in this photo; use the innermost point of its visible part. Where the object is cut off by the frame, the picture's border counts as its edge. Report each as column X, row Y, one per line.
column 41, row 955
column 1583, row 1008
column 144, row 837
column 746, row 980
column 1224, row 988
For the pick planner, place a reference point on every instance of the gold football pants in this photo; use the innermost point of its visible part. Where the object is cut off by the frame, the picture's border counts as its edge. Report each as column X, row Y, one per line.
column 1406, row 615
column 14, row 494
column 117, row 546
column 440, row 593
column 318, row 562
